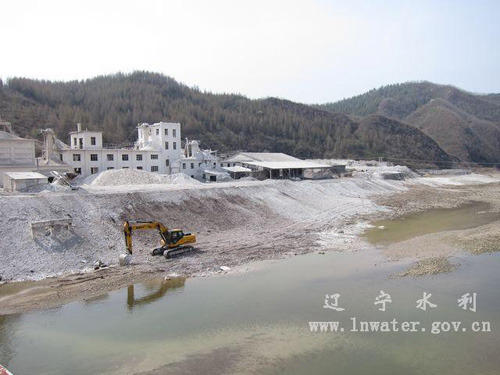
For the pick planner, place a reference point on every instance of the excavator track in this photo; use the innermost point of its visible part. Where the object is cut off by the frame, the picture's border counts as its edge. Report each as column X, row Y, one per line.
column 178, row 250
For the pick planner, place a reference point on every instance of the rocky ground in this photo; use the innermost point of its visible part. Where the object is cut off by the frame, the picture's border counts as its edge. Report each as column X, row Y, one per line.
column 236, row 223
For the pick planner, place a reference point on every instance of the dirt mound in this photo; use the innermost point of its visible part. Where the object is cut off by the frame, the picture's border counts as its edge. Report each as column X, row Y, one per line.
column 119, row 177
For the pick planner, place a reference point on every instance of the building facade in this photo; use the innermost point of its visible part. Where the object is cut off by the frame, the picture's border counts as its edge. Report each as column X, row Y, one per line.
column 158, row 149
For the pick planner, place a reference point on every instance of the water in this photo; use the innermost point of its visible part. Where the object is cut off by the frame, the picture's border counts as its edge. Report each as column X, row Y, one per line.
column 431, row 221
column 258, row 323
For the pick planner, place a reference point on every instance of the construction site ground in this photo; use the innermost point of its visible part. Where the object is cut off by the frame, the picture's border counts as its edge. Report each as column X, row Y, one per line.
column 237, row 223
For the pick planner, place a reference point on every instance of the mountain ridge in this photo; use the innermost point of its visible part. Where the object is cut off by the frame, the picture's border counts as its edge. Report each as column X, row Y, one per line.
column 116, row 103
column 465, row 125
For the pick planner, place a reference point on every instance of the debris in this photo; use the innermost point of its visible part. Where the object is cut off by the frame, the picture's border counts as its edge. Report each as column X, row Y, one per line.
column 50, row 225
column 98, row 264
column 125, row 259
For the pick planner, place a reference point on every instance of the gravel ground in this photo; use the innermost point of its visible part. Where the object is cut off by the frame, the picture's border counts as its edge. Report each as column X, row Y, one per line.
column 235, row 223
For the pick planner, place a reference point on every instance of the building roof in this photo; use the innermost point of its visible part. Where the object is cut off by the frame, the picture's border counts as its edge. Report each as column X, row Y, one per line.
column 214, row 172
column 237, row 169
column 25, row 175
column 294, row 164
column 260, row 157
column 11, row 136
column 60, row 145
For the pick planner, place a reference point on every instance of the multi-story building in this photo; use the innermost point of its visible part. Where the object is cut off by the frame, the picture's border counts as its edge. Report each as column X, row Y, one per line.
column 158, row 149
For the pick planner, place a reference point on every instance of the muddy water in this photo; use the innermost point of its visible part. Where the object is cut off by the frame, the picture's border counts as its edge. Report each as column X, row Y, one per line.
column 431, row 221
column 258, row 323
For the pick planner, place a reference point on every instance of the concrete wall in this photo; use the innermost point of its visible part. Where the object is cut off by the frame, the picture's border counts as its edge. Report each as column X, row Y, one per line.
column 17, row 152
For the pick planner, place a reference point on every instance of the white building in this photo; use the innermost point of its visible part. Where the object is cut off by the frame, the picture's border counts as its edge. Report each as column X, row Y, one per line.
column 158, row 149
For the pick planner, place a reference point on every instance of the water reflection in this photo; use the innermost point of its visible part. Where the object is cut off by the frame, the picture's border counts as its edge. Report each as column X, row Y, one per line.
column 159, row 287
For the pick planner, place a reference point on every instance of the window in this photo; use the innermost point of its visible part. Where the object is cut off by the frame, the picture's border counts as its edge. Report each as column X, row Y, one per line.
column 166, row 131
column 110, row 168
column 75, row 141
column 138, row 157
column 124, row 167
column 192, row 176
column 139, row 168
column 199, row 165
column 154, row 156
column 93, row 157
column 166, row 145
column 92, row 141
column 110, row 157
column 154, row 168
column 157, row 131
column 204, row 176
column 61, row 157
column 174, row 133
column 94, row 170
column 192, row 165
column 125, row 157
column 183, row 165
column 175, row 145
column 77, row 157
column 215, row 164
column 167, row 162
column 78, row 170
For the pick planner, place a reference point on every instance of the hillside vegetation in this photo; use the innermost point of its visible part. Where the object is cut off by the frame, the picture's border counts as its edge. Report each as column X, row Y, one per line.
column 116, row 104
column 465, row 125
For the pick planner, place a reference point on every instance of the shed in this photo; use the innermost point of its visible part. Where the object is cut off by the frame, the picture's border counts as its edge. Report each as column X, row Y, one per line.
column 16, row 181
column 213, row 175
column 276, row 165
column 238, row 171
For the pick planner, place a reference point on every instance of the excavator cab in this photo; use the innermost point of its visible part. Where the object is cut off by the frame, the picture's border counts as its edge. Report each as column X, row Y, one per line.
column 174, row 236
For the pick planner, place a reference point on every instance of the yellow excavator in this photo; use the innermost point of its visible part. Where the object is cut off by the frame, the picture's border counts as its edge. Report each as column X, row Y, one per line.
column 173, row 242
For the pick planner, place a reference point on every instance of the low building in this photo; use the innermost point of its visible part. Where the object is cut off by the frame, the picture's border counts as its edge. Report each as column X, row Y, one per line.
column 238, row 172
column 16, row 154
column 18, row 181
column 275, row 165
column 158, row 149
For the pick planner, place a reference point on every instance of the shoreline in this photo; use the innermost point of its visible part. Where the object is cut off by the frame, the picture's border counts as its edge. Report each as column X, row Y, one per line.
column 56, row 291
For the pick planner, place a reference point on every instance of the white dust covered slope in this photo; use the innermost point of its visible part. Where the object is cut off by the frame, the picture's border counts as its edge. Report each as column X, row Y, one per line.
column 121, row 177
column 251, row 219
column 97, row 233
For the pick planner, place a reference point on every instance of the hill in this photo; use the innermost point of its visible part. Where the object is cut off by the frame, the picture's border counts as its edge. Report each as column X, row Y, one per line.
column 116, row 104
column 465, row 125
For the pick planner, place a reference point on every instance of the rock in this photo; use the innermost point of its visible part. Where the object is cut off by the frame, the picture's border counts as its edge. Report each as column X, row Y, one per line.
column 225, row 268
column 124, row 259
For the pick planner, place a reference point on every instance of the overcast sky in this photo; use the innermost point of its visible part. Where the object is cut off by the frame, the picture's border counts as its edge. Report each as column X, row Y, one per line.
column 307, row 51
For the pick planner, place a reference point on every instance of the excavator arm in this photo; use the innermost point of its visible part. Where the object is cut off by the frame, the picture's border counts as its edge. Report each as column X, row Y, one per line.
column 130, row 226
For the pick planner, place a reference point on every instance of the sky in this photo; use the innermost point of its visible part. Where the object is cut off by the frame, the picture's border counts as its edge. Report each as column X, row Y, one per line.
column 311, row 51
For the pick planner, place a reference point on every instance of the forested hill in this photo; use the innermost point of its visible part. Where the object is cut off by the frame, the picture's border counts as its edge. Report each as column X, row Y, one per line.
column 226, row 122
column 465, row 125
